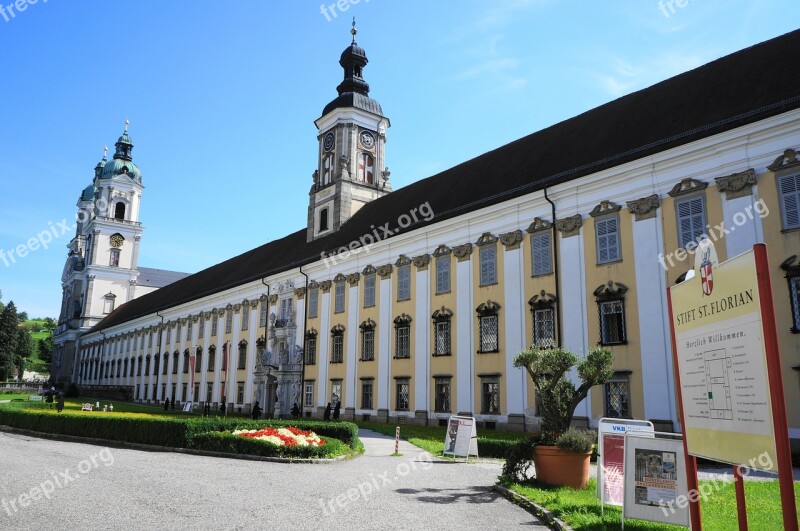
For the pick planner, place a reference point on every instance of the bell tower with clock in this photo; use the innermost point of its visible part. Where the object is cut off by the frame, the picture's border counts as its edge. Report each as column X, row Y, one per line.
column 351, row 168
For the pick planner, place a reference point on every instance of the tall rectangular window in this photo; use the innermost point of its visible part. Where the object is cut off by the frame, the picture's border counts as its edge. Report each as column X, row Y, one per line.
column 403, row 390
column 186, row 362
column 488, row 334
column 541, row 259
column 169, row 334
column 618, row 396
column 794, row 299
column 366, row 394
column 189, row 328
column 612, row 322
column 544, row 328
column 442, row 395
column 150, row 339
column 607, row 235
column 209, row 391
column 165, row 368
column 212, row 358
column 178, row 331
column 262, row 314
column 311, row 350
column 198, row 361
column 404, row 283
column 488, row 259
column 369, row 290
column 336, row 391
column 196, row 395
column 442, row 338
column 201, row 328
column 691, row 219
column 245, row 316
column 337, row 354
column 309, row 395
column 240, row 393
column 367, row 345
column 228, row 321
column 403, row 341
column 175, row 356
column 214, row 323
column 443, row 274
column 184, row 389
column 313, row 302
column 339, row 297
column 113, row 260
column 789, row 191
column 287, row 309
column 242, row 357
column 490, row 396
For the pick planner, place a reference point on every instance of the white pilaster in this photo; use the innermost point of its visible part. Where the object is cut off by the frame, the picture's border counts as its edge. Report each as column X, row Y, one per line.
column 384, row 385
column 324, row 342
column 514, row 315
column 422, row 341
column 350, row 385
column 465, row 380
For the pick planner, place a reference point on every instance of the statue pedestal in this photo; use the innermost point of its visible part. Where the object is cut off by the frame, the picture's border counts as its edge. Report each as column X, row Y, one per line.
column 277, row 412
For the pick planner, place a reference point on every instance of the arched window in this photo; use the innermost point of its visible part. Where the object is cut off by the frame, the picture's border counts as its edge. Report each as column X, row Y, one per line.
column 323, row 219
column 327, row 170
column 366, row 168
column 119, row 210
column 113, row 260
column 242, row 355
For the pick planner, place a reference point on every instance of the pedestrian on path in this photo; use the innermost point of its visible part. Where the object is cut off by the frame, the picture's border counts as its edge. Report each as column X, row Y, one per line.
column 336, row 410
column 327, row 415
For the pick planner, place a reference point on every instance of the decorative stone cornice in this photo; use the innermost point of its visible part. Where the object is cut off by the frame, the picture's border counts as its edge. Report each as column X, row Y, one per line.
column 369, row 270
column 254, row 304
column 312, row 332
column 442, row 250
column 300, row 292
column 273, row 299
column 442, row 314
column 687, row 186
column 792, row 269
column 542, row 300
column 337, row 330
column 402, row 320
column 511, row 240
column 385, row 270
column 487, row 238
column 339, row 278
column 608, row 291
column 245, row 302
column 313, row 284
column 402, row 261
column 353, row 278
column 462, row 252
column 369, row 324
column 644, row 208
column 570, row 226
column 737, row 184
column 195, row 318
column 325, row 285
column 206, row 315
column 237, row 307
column 488, row 308
column 605, row 207
column 539, row 225
column 785, row 161
column 421, row 262
column 229, row 307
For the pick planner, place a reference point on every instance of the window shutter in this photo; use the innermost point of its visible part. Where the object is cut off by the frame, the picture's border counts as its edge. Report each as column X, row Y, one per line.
column 790, row 194
column 691, row 219
column 540, row 249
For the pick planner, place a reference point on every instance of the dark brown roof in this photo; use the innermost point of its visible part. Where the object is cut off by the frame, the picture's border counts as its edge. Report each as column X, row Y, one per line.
column 741, row 88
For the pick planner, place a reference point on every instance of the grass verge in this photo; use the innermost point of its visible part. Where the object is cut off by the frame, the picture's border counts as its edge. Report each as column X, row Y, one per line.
column 581, row 510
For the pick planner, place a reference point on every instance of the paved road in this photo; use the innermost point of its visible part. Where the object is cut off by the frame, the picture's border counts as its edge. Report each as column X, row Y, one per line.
column 94, row 488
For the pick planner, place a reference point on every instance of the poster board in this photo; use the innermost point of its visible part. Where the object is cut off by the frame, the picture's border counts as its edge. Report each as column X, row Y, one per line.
column 610, row 450
column 655, row 485
column 722, row 364
column 461, row 438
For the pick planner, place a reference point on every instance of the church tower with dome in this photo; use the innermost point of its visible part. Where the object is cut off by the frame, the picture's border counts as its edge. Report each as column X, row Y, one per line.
column 351, row 168
column 101, row 271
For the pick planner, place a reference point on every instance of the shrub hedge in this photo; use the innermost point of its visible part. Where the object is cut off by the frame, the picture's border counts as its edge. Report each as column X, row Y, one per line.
column 173, row 432
column 224, row 441
column 497, row 448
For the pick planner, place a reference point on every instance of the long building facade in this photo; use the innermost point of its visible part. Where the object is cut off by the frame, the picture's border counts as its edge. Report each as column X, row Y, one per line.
column 410, row 305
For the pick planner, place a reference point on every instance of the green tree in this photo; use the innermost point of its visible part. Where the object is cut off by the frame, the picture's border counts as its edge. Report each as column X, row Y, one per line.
column 8, row 339
column 22, row 317
column 46, row 349
column 23, row 351
column 49, row 323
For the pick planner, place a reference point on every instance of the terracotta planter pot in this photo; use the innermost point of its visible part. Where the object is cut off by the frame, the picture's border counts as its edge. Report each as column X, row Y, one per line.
column 558, row 467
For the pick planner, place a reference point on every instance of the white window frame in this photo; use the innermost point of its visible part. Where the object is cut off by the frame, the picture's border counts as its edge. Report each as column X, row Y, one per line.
column 541, row 254
column 369, row 290
column 404, row 282
column 607, row 239
column 487, row 256
column 443, row 274
column 692, row 225
column 338, row 297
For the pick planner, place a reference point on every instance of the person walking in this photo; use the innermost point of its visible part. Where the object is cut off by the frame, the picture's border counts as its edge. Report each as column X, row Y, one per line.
column 336, row 410
column 60, row 403
column 295, row 410
column 256, row 411
column 327, row 415
column 166, row 404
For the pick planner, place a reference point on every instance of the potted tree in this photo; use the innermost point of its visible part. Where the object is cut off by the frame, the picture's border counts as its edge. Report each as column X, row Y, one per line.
column 561, row 456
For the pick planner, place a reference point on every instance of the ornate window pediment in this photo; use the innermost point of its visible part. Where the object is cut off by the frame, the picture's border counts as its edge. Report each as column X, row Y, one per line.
column 539, row 225
column 402, row 320
column 442, row 250
column 369, row 324
column 369, row 270
column 644, row 208
column 442, row 314
column 687, row 186
column 542, row 300
column 339, row 278
column 402, row 261
column 488, row 308
column 337, row 330
column 788, row 159
column 608, row 291
column 605, row 207
column 487, row 238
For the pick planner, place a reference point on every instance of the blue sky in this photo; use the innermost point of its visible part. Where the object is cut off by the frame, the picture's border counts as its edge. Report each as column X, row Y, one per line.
column 222, row 96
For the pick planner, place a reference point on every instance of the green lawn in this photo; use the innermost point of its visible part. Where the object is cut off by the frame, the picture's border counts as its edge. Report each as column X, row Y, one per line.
column 580, row 509
column 431, row 438
column 14, row 396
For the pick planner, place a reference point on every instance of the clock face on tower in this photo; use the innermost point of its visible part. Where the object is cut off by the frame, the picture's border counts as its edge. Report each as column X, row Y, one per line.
column 116, row 240
column 327, row 144
column 366, row 139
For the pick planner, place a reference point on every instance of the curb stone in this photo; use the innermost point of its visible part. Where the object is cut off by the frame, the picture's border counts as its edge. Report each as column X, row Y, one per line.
column 537, row 510
column 154, row 448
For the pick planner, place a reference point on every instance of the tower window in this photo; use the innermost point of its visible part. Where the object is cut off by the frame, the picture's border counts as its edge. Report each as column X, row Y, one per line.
column 327, row 169
column 366, row 168
column 108, row 302
column 113, row 259
column 323, row 220
column 119, row 211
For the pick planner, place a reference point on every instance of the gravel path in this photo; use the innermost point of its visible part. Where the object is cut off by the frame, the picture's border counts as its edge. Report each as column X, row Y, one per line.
column 90, row 487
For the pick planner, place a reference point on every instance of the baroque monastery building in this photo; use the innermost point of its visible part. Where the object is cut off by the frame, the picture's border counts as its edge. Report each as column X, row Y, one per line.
column 410, row 305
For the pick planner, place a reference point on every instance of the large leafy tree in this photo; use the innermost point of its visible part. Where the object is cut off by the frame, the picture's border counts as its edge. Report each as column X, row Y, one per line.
column 9, row 335
column 46, row 349
column 23, row 350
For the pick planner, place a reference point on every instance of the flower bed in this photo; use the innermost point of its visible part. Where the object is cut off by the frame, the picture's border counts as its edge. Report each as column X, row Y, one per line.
column 288, row 436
